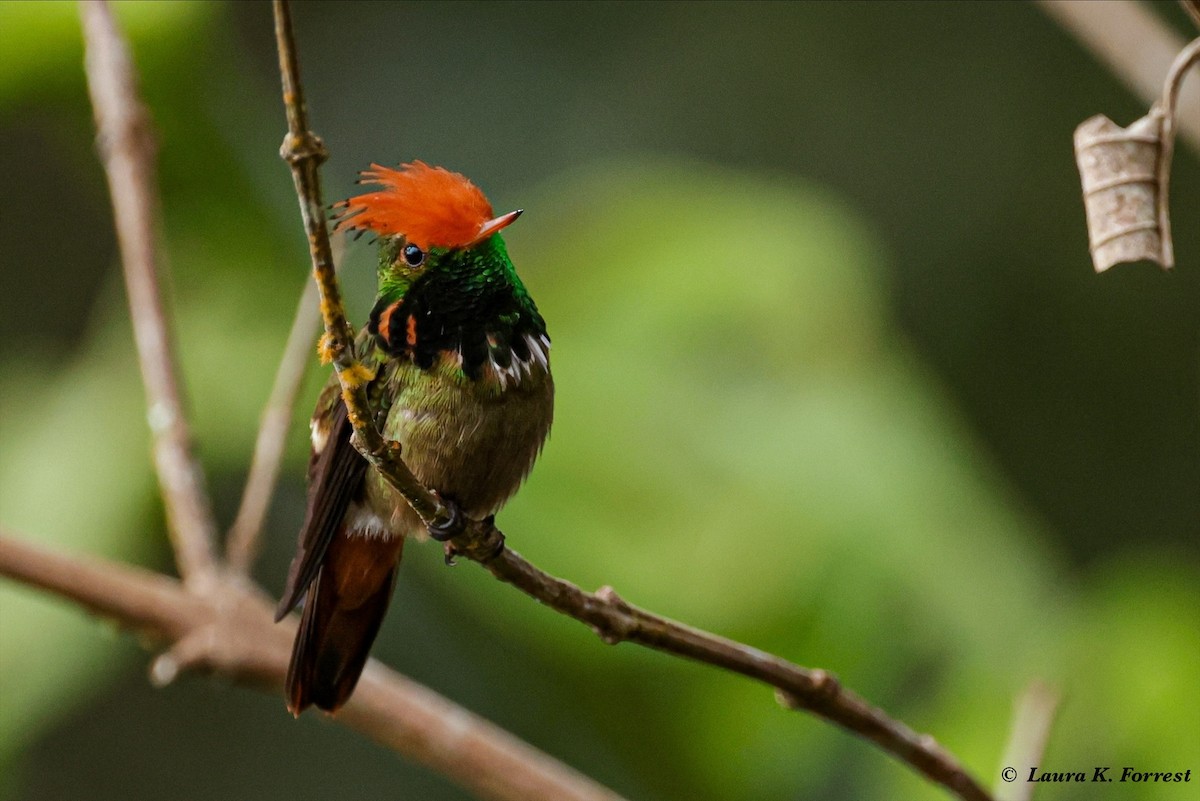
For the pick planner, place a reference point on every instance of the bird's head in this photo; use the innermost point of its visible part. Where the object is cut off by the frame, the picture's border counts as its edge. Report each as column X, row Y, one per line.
column 424, row 218
column 446, row 283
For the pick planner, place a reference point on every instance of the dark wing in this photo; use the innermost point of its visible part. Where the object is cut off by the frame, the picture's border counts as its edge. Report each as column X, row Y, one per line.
column 334, row 479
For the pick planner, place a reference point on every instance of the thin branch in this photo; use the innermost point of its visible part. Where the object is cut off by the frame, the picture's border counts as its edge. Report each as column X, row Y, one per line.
column 1137, row 45
column 613, row 619
column 1032, row 722
column 233, row 635
column 245, row 535
column 127, row 149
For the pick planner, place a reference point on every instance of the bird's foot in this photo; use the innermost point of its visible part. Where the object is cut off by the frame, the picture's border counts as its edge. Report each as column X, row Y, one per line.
column 493, row 538
column 453, row 525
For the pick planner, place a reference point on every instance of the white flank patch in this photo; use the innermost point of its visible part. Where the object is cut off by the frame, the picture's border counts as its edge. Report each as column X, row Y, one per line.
column 362, row 522
column 320, row 434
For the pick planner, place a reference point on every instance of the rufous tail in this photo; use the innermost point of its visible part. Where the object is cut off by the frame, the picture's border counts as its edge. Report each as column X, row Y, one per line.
column 343, row 610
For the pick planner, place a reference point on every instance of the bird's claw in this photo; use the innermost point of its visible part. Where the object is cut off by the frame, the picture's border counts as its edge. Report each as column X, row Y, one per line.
column 452, row 527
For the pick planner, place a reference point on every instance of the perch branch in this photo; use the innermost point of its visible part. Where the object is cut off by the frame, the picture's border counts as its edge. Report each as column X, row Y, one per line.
column 613, row 619
column 231, row 633
column 1137, row 45
column 126, row 143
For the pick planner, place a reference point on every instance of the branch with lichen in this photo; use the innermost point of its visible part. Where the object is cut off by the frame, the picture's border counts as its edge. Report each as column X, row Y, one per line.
column 605, row 612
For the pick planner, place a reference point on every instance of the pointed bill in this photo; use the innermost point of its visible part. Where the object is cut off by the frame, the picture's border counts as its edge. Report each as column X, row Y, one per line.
column 492, row 226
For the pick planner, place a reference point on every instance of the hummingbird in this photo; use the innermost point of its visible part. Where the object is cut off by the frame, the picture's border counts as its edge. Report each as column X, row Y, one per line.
column 459, row 364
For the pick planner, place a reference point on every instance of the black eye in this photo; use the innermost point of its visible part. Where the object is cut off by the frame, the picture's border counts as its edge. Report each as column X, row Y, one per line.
column 413, row 256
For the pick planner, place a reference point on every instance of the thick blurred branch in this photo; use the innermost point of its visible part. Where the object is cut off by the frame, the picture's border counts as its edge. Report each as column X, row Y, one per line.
column 613, row 619
column 1137, row 45
column 230, row 632
column 127, row 149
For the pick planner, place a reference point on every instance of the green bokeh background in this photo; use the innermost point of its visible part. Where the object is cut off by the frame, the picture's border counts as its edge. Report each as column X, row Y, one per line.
column 835, row 378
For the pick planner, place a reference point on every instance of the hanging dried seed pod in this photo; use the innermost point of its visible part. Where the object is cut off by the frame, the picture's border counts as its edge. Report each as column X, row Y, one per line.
column 1119, row 170
column 1126, row 173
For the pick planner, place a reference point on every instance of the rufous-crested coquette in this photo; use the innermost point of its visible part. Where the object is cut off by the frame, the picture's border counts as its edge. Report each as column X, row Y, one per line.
column 460, row 361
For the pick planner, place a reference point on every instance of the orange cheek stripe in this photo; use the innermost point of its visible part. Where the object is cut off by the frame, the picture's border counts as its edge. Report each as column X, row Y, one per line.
column 411, row 332
column 385, row 320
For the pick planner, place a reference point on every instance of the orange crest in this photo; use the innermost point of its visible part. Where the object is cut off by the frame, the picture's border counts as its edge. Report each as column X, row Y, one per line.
column 429, row 206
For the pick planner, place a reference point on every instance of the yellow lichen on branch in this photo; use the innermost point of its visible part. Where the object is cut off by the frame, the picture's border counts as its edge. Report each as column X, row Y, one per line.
column 325, row 348
column 356, row 375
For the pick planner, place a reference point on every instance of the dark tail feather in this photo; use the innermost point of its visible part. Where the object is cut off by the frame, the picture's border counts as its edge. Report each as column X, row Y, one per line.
column 333, row 643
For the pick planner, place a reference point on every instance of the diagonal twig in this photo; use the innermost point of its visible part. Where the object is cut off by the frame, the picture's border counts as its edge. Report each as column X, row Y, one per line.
column 245, row 535
column 1032, row 722
column 126, row 143
column 612, row 618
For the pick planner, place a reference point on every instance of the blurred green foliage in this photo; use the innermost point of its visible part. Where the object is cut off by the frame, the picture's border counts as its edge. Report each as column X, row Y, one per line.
column 834, row 379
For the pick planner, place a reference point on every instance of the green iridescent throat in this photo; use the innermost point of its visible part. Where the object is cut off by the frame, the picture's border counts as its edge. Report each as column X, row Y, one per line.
column 468, row 301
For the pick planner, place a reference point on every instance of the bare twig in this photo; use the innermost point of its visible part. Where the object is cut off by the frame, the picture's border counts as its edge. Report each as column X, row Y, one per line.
column 233, row 636
column 126, row 144
column 612, row 618
column 245, row 535
column 1137, row 45
column 1027, row 742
